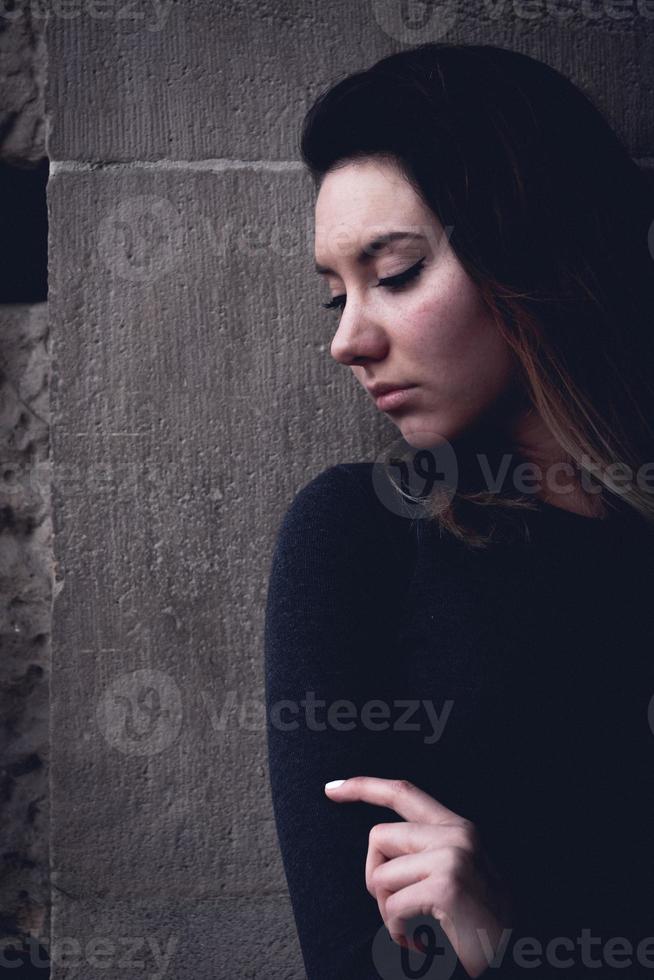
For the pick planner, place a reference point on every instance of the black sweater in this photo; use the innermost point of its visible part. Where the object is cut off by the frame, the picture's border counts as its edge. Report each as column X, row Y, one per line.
column 536, row 661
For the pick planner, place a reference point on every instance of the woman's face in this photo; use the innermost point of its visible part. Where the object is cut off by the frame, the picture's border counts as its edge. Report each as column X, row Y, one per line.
column 432, row 330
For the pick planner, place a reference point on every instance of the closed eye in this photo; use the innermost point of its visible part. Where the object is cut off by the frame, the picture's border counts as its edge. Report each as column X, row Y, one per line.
column 390, row 282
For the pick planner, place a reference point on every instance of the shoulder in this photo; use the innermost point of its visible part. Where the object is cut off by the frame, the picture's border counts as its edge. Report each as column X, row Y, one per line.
column 340, row 482
column 340, row 517
column 344, row 499
column 326, row 512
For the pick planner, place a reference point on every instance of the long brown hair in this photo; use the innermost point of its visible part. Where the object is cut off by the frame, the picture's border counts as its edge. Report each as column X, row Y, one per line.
column 552, row 219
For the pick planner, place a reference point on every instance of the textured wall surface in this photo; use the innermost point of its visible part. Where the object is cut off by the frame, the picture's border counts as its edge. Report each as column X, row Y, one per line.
column 25, row 616
column 192, row 395
column 23, row 65
column 25, row 523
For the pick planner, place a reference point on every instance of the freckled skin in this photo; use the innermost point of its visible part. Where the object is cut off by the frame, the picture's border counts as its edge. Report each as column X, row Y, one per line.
column 434, row 332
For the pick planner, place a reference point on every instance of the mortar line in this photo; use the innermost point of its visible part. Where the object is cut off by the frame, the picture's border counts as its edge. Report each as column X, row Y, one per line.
column 217, row 165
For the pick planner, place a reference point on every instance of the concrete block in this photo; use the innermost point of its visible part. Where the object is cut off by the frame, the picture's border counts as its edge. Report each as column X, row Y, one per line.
column 197, row 80
column 192, row 395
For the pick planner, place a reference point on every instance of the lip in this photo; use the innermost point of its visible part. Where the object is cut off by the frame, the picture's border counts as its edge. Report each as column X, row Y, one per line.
column 391, row 398
column 384, row 387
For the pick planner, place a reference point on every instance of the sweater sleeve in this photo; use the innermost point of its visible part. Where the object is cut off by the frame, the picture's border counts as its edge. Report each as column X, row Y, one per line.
column 332, row 593
column 319, row 622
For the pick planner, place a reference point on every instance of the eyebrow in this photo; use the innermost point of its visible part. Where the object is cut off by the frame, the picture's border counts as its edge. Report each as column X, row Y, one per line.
column 375, row 245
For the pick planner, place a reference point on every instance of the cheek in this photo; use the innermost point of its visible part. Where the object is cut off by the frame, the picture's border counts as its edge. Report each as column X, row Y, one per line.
column 452, row 333
column 457, row 344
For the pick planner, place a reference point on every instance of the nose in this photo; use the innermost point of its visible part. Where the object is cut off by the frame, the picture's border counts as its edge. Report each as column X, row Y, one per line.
column 358, row 337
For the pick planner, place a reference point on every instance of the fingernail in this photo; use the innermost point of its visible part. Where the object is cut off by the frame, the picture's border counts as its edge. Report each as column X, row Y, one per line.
column 334, row 783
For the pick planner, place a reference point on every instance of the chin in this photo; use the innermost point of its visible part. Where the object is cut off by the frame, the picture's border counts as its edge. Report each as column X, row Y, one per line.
column 423, row 433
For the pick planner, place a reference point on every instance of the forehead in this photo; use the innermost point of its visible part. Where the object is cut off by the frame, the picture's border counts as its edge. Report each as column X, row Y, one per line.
column 363, row 197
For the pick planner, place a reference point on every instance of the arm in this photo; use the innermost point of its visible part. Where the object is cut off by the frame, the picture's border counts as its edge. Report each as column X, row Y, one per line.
column 325, row 633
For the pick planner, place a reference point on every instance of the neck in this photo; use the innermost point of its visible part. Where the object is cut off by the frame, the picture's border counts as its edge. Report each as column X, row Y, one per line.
column 559, row 474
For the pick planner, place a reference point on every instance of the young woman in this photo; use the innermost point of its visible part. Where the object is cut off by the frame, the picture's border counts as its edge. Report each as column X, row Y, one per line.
column 479, row 672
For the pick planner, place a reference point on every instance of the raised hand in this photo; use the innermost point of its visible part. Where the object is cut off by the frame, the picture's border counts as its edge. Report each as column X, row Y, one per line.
column 431, row 863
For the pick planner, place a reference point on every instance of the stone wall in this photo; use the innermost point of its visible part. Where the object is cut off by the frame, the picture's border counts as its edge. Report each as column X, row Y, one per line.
column 25, row 521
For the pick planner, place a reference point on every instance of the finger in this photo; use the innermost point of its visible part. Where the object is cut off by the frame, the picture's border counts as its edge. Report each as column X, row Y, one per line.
column 403, row 837
column 408, row 869
column 418, row 899
column 400, row 795
column 400, row 934
column 382, row 896
column 390, row 840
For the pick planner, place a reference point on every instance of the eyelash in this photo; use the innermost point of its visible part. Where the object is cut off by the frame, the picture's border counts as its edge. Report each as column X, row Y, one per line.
column 390, row 282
